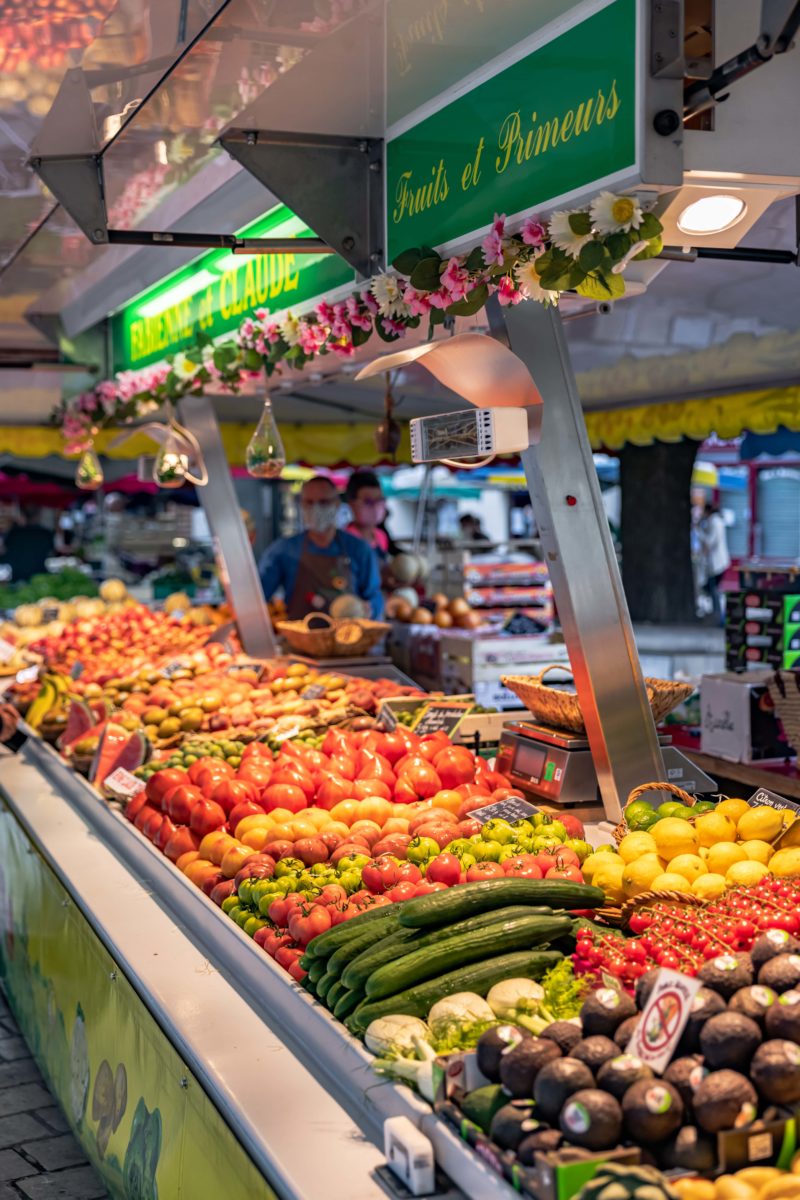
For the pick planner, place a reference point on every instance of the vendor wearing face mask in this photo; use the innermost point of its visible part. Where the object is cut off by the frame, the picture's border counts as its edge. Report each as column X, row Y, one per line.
column 365, row 499
column 324, row 562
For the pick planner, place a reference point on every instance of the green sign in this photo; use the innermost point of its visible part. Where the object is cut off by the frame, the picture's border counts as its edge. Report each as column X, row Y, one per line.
column 557, row 123
column 215, row 293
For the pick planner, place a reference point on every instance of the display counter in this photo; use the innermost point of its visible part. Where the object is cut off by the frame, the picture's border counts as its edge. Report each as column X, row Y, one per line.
column 213, row 1037
column 783, row 778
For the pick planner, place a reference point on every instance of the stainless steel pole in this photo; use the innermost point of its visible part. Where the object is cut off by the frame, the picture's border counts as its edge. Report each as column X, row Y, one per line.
column 242, row 584
column 583, row 566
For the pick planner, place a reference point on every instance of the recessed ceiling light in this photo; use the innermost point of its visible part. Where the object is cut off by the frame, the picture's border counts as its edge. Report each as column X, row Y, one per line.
column 711, row 214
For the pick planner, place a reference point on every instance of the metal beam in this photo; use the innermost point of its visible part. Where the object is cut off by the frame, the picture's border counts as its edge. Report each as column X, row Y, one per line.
column 583, row 567
column 219, row 241
column 234, row 552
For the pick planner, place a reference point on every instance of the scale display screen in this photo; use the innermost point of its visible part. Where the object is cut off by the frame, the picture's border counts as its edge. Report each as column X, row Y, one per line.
column 528, row 761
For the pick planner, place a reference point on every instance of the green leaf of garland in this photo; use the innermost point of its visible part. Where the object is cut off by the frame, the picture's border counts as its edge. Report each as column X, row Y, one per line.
column 592, row 255
column 425, row 276
column 580, row 222
column 650, row 227
column 652, row 250
column 601, row 285
column 618, row 244
column 406, row 261
column 475, row 260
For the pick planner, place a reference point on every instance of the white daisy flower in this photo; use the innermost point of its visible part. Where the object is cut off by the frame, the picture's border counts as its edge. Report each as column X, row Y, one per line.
column 615, row 214
column 388, row 293
column 183, row 367
column 290, row 329
column 530, row 284
column 564, row 236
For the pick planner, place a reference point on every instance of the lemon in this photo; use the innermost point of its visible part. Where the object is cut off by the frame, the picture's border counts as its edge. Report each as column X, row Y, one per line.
column 714, row 827
column 634, row 845
column 638, row 876
column 709, row 886
column 595, row 861
column 609, row 879
column 734, row 809
column 689, row 866
column 762, row 823
column 724, row 855
column 785, row 862
column 673, row 837
column 757, row 851
column 671, row 881
column 747, row 872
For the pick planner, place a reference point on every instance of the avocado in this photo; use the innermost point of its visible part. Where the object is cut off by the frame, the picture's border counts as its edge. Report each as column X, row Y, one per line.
column 644, row 986
column 565, row 1034
column 618, row 1074
column 727, row 973
column 594, row 1051
column 512, row 1123
column 652, row 1109
column 753, row 1002
column 624, row 1032
column 690, row 1150
column 705, row 1004
column 724, row 1100
column 685, row 1074
column 781, row 973
column 556, row 1082
column 494, row 1044
column 783, row 1019
column 604, row 1010
column 519, row 1068
column 592, row 1119
column 480, row 1105
column 541, row 1142
column 770, row 944
column 775, row 1070
column 729, row 1040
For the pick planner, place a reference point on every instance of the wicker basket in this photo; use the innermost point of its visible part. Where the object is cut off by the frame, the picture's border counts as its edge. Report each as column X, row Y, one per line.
column 327, row 638
column 685, row 899
column 562, row 710
column 685, row 798
column 784, row 692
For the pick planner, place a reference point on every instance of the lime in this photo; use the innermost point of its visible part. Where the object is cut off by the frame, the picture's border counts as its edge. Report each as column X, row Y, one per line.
column 683, row 812
column 636, row 809
column 667, row 809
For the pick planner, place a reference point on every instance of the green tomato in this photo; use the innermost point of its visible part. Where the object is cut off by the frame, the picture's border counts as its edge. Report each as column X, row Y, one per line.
column 320, row 868
column 422, row 850
column 235, row 910
column 508, row 852
column 462, row 846
column 606, row 848
column 245, row 892
column 242, row 917
column 288, row 866
column 497, row 830
column 352, row 862
column 544, row 845
column 556, row 832
column 467, row 861
column 252, row 926
column 539, row 819
column 582, row 849
column 525, row 845
column 350, row 880
column 524, row 828
column 488, row 851
column 229, row 903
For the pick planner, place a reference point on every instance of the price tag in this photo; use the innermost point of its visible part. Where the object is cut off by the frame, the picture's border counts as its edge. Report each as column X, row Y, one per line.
column 513, row 808
column 123, row 784
column 446, row 715
column 77, row 670
column 314, row 692
column 172, row 669
column 7, row 651
column 178, row 614
column 772, row 800
column 662, row 1022
column 28, row 675
column 389, row 719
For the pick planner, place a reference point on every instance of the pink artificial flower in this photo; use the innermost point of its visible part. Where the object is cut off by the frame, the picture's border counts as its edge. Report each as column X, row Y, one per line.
column 247, row 328
column 356, row 315
column 344, row 349
column 417, row 303
column 507, row 291
column 262, row 314
column 454, row 279
column 272, row 333
column 533, row 232
column 392, row 326
column 340, row 326
column 439, row 298
column 259, row 345
column 87, row 402
column 371, row 303
column 325, row 312
column 493, row 242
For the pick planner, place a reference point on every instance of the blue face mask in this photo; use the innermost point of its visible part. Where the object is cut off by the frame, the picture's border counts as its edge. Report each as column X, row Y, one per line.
column 319, row 517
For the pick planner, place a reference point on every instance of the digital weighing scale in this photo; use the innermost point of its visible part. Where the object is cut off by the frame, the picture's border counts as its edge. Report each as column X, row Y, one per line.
column 554, row 768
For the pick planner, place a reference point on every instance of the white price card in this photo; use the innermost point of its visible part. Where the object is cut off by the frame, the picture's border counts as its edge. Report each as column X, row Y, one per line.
column 7, row 651
column 664, row 1018
column 122, row 783
column 28, row 675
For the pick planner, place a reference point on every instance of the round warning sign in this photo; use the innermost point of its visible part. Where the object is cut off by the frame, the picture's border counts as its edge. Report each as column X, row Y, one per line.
column 663, row 1020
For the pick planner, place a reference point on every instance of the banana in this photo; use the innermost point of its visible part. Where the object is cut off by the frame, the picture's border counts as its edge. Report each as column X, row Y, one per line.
column 47, row 699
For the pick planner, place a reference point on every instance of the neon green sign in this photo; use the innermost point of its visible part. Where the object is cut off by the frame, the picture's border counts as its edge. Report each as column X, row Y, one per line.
column 215, row 293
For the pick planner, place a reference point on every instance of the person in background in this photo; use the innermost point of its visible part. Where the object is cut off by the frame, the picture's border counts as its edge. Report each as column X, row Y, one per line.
column 471, row 529
column 717, row 559
column 365, row 497
column 28, row 545
column 316, row 566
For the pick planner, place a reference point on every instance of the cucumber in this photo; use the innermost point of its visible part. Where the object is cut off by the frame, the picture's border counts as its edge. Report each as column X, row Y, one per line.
column 403, row 941
column 324, row 986
column 346, row 1003
column 468, row 899
column 335, row 994
column 325, row 944
column 449, row 953
column 350, row 949
column 315, row 970
column 479, row 978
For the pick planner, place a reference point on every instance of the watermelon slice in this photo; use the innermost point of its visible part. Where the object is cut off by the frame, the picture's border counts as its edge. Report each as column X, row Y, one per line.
column 80, row 720
column 102, row 710
column 118, row 748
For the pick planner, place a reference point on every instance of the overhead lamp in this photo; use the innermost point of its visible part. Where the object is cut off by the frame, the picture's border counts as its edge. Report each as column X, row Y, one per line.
column 711, row 214
column 181, row 291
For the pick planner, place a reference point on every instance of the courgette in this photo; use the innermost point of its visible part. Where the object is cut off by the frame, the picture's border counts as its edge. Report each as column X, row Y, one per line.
column 448, row 953
column 346, row 1003
column 468, row 899
column 325, row 943
column 478, row 978
column 350, row 949
column 404, row 940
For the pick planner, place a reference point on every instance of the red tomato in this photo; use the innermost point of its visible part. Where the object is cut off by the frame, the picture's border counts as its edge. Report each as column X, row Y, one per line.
column 211, row 775
column 143, row 816
column 296, row 971
column 160, row 783
column 332, row 893
column 524, row 865
column 179, row 801
column 363, row 789
column 181, row 842
column 565, row 856
column 307, row 923
column 395, row 843
column 468, row 828
column 441, row 834
column 409, row 873
column 572, row 873
column 455, row 767
column 426, row 887
column 295, row 776
column 284, row 795
column 216, row 766
column 133, row 806
column 433, row 744
column 206, row 817
column 404, row 890
column 256, row 771
column 344, row 766
column 221, row 891
column 335, row 742
column 152, row 825
column 248, row 808
column 380, row 875
column 484, row 870
column 165, row 832
column 231, row 792
column 282, row 906
column 396, row 746
column 270, row 939
column 288, row 954
column 376, row 767
column 445, row 868
column 332, row 792
column 424, row 779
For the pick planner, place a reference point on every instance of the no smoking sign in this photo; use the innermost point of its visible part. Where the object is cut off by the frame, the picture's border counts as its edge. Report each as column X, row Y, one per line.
column 664, row 1018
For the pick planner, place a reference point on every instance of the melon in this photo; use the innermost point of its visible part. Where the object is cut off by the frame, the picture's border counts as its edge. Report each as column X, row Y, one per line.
column 348, row 607
column 177, row 602
column 28, row 614
column 113, row 590
column 405, row 567
column 408, row 595
column 80, row 720
column 118, row 748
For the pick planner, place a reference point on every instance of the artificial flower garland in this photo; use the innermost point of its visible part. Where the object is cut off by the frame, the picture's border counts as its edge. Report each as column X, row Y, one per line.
column 583, row 250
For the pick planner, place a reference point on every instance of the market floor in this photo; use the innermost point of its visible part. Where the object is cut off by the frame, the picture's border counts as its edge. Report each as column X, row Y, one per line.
column 39, row 1157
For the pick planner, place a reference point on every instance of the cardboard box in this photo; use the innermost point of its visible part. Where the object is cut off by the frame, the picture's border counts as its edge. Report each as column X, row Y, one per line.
column 737, row 720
